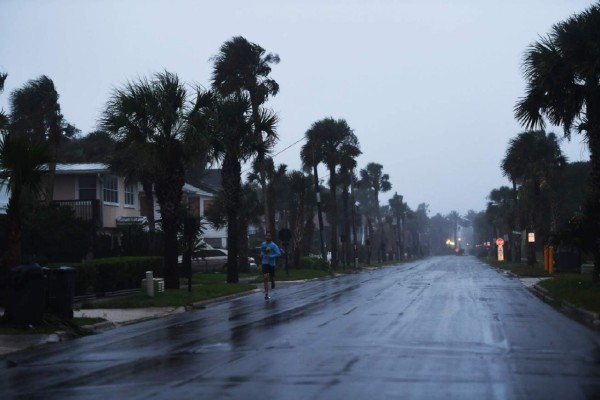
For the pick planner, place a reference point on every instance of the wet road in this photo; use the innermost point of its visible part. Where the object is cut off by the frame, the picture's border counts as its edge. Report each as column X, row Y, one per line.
column 445, row 327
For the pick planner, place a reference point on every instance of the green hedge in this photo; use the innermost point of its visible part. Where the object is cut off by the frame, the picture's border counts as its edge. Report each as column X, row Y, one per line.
column 103, row 275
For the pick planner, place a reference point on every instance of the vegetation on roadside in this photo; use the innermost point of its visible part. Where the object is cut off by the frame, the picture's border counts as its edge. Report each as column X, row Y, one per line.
column 579, row 290
column 171, row 297
column 576, row 289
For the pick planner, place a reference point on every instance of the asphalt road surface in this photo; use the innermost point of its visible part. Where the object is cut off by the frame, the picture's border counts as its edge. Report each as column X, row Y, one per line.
column 443, row 327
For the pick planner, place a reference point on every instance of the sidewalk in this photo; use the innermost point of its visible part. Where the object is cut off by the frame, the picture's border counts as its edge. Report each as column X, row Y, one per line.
column 113, row 317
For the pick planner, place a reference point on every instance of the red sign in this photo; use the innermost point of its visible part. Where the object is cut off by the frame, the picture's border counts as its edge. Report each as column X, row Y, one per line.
column 499, row 242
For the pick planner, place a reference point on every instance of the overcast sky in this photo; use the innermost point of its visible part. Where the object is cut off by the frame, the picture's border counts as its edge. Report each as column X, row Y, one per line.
column 428, row 86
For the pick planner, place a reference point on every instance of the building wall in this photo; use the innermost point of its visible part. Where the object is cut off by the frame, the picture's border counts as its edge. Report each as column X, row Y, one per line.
column 65, row 187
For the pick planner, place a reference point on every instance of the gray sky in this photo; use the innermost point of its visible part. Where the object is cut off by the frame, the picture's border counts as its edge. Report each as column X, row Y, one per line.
column 428, row 86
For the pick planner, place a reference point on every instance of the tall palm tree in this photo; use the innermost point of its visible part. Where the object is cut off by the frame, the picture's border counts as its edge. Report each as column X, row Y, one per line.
column 372, row 177
column 348, row 156
column 399, row 210
column 276, row 179
column 562, row 71
column 300, row 185
column 244, row 67
column 230, row 127
column 23, row 164
column 157, row 116
column 326, row 141
column 35, row 112
column 128, row 120
column 533, row 161
column 499, row 209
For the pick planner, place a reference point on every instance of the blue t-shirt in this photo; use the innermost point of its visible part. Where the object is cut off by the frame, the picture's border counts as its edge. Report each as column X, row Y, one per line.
column 269, row 253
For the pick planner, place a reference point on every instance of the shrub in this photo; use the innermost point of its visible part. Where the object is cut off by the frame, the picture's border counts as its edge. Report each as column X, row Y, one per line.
column 311, row 262
column 104, row 275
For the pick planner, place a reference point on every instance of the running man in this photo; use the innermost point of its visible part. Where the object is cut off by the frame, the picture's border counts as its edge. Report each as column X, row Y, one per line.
column 269, row 253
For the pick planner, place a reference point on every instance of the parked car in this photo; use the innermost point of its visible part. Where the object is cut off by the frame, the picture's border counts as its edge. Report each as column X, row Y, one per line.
column 211, row 259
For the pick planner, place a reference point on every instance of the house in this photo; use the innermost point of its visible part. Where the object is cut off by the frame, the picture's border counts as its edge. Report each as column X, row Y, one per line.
column 198, row 201
column 95, row 193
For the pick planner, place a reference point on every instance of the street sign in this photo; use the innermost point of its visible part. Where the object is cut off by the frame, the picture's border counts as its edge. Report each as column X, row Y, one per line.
column 500, row 253
column 499, row 242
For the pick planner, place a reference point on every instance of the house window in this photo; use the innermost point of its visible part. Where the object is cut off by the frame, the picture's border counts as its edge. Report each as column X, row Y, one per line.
column 111, row 189
column 129, row 198
column 193, row 206
column 87, row 187
column 207, row 204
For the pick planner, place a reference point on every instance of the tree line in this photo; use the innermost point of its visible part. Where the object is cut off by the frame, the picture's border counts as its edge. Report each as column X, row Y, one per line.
column 158, row 131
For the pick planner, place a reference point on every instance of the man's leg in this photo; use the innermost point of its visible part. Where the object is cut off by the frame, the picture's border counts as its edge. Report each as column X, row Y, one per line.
column 272, row 276
column 266, row 284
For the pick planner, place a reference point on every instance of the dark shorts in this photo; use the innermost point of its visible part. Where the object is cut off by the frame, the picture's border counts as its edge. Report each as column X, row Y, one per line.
column 268, row 269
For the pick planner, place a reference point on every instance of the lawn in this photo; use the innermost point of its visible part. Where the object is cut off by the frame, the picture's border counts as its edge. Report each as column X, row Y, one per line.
column 576, row 289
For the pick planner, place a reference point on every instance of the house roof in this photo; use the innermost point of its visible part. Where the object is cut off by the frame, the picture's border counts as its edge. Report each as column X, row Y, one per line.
column 187, row 188
column 211, row 180
column 82, row 168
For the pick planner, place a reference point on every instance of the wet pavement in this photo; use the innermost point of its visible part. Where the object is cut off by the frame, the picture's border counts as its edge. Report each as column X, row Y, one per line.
column 446, row 327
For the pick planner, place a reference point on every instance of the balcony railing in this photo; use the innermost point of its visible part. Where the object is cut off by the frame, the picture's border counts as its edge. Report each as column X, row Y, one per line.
column 87, row 210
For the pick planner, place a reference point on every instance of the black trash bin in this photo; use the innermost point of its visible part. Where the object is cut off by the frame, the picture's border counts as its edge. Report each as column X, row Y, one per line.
column 27, row 294
column 60, row 290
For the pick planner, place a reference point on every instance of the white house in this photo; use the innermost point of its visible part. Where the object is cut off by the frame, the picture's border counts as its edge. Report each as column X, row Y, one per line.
column 198, row 201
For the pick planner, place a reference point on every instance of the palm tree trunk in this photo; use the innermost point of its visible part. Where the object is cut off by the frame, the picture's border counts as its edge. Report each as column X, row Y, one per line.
column 346, row 205
column 334, row 219
column 309, row 230
column 297, row 232
column 168, row 193
column 232, row 189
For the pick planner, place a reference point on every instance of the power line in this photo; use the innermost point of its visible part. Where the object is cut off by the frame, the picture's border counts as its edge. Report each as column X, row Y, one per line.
column 281, row 151
column 293, row 144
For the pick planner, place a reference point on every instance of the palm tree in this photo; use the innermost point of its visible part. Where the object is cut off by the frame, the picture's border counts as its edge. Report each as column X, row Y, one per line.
column 229, row 124
column 22, row 170
column 373, row 178
column 244, row 67
column 157, row 116
column 499, row 209
column 399, row 210
column 348, row 155
column 326, row 141
column 533, row 160
column 132, row 127
column 275, row 178
column 299, row 191
column 35, row 112
column 562, row 72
